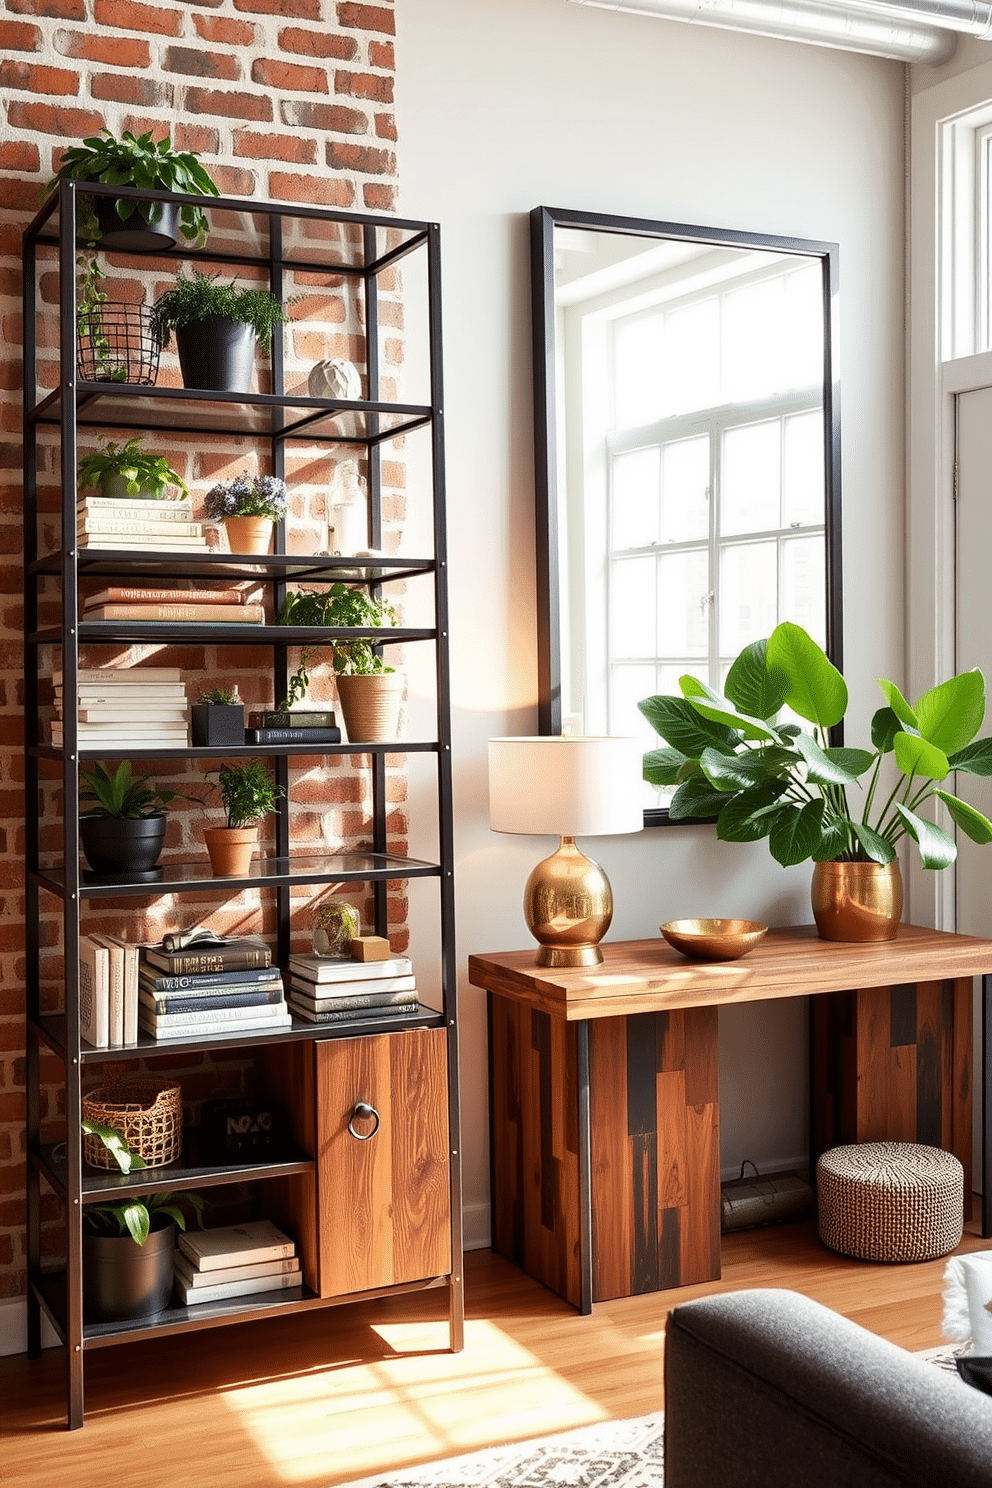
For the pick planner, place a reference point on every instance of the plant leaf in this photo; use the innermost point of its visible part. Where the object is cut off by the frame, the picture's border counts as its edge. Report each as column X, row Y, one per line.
column 678, row 723
column 828, row 769
column 951, row 714
column 885, row 724
column 856, row 761
column 937, row 847
column 834, row 842
column 916, row 756
column 811, row 684
column 138, row 1221
column 662, row 766
column 796, row 833
column 972, row 822
column 878, row 848
column 749, row 685
column 974, row 758
column 696, row 798
column 717, row 709
column 749, row 768
column 749, row 816
column 898, row 703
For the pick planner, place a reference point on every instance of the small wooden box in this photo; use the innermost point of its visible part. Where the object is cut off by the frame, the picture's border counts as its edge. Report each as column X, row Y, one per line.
column 370, row 948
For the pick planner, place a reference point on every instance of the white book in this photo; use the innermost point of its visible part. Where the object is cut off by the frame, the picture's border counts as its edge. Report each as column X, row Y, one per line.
column 244, row 1244
column 94, row 696
column 112, row 541
column 282, row 1266
column 123, row 674
column 191, row 1295
column 304, row 992
column 132, row 955
column 213, row 1029
column 142, row 526
column 323, row 969
column 265, row 1012
column 94, row 993
column 343, row 992
column 115, row 953
column 132, row 738
column 164, row 510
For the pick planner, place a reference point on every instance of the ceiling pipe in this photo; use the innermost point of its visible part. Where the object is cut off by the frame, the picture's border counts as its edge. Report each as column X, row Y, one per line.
column 880, row 30
column 971, row 16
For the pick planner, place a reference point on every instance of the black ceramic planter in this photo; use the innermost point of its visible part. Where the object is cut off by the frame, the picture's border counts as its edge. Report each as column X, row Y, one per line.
column 122, row 1280
column 121, row 847
column 218, row 725
column 151, row 227
column 217, row 353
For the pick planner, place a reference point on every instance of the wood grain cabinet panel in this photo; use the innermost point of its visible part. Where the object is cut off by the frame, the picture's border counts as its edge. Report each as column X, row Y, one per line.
column 382, row 1201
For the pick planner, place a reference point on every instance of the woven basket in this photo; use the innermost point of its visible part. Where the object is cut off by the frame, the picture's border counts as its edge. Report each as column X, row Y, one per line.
column 890, row 1201
column 148, row 1115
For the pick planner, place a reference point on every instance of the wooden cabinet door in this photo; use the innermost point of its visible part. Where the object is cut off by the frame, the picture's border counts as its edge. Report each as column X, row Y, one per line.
column 383, row 1192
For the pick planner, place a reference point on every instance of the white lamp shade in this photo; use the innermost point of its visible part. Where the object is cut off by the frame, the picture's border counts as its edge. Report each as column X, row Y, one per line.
column 573, row 786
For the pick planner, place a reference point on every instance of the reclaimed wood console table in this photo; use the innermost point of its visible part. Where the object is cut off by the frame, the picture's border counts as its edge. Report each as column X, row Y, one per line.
column 604, row 1104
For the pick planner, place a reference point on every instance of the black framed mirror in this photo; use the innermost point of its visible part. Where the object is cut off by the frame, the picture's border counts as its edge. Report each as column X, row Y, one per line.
column 687, row 441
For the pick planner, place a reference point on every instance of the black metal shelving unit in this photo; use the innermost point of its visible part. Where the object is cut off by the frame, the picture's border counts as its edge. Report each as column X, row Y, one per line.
column 288, row 241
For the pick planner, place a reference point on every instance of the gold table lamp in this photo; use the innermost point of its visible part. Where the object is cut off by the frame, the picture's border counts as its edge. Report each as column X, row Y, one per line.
column 569, row 786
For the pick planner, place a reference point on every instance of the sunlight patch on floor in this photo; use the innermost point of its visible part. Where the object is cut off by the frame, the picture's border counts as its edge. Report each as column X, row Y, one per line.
column 411, row 1407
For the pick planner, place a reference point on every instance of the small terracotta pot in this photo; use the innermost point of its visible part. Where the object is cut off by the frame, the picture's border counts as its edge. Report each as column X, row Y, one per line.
column 249, row 534
column 231, row 849
column 857, row 901
column 370, row 706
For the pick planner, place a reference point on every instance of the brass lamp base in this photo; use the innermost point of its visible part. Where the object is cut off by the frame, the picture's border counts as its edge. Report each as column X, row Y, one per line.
column 568, row 905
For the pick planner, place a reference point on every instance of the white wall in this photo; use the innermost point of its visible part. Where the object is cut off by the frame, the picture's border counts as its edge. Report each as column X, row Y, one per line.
column 507, row 104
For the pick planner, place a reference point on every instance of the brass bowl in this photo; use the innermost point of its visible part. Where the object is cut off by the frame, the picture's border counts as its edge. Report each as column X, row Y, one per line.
column 713, row 940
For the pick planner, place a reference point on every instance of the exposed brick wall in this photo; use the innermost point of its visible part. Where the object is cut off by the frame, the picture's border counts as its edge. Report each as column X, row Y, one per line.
column 286, row 99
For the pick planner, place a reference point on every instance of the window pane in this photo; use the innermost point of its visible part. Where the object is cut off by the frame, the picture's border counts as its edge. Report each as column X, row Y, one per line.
column 754, row 336
column 748, row 593
column 691, row 374
column 632, row 606
column 802, row 480
column 683, row 607
column 629, row 684
column 804, row 584
column 639, row 358
column 804, row 321
column 751, row 478
column 685, row 485
column 635, row 498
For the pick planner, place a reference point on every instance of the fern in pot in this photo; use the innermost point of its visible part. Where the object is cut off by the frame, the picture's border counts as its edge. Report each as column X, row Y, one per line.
column 249, row 794
column 217, row 327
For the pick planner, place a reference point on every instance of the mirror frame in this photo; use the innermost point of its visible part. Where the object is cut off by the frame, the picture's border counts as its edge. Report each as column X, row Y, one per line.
column 543, row 221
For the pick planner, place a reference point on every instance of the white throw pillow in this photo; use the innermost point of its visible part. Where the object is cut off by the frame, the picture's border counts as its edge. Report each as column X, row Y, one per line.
column 967, row 1296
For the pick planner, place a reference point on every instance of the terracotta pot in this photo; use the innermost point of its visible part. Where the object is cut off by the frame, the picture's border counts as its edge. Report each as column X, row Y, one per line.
column 857, row 901
column 370, row 706
column 231, row 849
column 249, row 534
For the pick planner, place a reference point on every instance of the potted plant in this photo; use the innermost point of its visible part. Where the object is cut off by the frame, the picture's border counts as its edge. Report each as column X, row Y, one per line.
column 128, row 1244
column 247, row 506
column 731, row 760
column 249, row 793
column 128, row 223
column 123, row 831
column 218, row 719
column 370, row 692
column 126, row 471
column 217, row 327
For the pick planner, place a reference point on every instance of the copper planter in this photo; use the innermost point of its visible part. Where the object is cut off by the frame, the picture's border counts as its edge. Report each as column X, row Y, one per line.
column 857, row 901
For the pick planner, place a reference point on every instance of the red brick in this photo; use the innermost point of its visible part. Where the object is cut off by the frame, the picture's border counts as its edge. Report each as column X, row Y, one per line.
column 117, row 51
column 318, row 191
column 229, row 105
column 385, row 126
column 288, row 76
column 138, row 92
column 52, row 118
column 364, row 85
column 296, row 10
column 224, row 30
column 382, row 54
column 130, row 15
column 366, row 17
column 335, row 118
column 378, row 197
column 233, row 182
column 59, row 10
column 288, row 147
column 361, row 158
column 31, row 79
column 19, row 36
column 198, row 62
column 317, row 43
column 17, row 155
column 198, row 138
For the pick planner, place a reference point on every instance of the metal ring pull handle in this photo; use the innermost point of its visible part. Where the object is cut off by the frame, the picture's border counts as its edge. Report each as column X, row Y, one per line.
column 363, row 1112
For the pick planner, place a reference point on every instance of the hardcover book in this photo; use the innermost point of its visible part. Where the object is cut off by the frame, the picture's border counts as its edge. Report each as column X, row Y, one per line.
column 104, row 522
column 326, row 969
column 355, row 1000
column 180, row 511
column 255, row 1240
column 181, row 612
column 232, row 997
column 278, row 1283
column 293, row 718
column 94, row 993
column 183, row 1266
column 351, row 1015
column 207, row 955
column 127, row 594
column 293, row 736
column 152, row 1026
column 235, row 1015
column 212, row 981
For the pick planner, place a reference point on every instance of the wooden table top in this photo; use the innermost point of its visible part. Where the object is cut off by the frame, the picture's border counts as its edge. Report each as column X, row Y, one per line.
column 642, row 976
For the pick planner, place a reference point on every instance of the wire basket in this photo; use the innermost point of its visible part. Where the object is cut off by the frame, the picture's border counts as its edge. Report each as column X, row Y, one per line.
column 148, row 1115
column 117, row 343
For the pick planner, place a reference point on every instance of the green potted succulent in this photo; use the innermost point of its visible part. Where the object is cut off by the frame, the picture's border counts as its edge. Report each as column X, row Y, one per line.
column 370, row 692
column 126, row 222
column 126, row 471
column 123, row 830
column 218, row 719
column 731, row 759
column 217, row 327
column 249, row 793
column 247, row 505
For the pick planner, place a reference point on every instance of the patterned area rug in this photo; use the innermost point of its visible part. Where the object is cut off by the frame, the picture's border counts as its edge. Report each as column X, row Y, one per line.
column 611, row 1454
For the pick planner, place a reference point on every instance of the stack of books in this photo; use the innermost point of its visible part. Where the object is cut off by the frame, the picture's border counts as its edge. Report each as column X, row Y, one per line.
column 210, row 989
column 234, row 1261
column 331, row 991
column 129, row 708
column 165, row 526
column 182, row 606
column 108, row 991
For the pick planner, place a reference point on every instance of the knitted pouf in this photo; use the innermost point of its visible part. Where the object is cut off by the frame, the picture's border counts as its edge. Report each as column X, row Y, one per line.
column 890, row 1201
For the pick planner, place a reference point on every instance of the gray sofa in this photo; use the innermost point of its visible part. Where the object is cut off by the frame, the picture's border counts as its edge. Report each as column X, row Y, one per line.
column 769, row 1388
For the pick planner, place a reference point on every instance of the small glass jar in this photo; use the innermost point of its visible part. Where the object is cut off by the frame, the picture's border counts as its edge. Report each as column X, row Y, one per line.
column 335, row 926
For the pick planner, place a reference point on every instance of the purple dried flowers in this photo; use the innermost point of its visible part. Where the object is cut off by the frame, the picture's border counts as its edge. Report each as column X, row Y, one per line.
column 247, row 496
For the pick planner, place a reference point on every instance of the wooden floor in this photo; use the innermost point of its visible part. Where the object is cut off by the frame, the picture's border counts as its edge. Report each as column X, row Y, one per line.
column 342, row 1393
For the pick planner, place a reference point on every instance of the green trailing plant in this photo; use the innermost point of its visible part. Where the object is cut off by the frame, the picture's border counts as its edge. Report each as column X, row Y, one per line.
column 141, row 471
column 249, row 793
column 141, row 162
column 201, row 296
column 296, row 691
column 121, row 793
column 133, row 1216
column 730, row 759
column 342, row 606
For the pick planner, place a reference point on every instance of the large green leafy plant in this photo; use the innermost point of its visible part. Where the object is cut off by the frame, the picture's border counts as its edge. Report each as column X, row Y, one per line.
column 141, row 470
column 730, row 759
column 344, row 606
column 197, row 298
column 121, row 793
